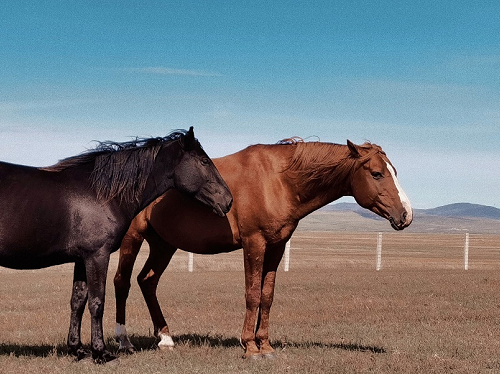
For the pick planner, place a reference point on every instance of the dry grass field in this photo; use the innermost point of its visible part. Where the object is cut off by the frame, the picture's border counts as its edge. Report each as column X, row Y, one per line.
column 333, row 312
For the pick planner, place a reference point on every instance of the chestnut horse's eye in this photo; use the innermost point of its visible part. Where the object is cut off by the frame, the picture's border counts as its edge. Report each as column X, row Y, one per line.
column 377, row 175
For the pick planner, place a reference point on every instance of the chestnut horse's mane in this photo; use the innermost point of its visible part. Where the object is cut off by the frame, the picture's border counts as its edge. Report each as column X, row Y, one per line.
column 317, row 163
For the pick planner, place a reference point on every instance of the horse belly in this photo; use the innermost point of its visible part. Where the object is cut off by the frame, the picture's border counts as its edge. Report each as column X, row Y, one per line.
column 31, row 245
column 188, row 225
column 20, row 258
column 203, row 239
column 197, row 233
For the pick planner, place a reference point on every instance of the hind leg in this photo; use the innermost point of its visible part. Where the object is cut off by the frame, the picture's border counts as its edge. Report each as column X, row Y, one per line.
column 79, row 298
column 159, row 257
column 129, row 249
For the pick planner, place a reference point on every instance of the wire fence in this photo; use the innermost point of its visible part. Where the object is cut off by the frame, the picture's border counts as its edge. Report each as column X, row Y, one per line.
column 310, row 250
column 380, row 251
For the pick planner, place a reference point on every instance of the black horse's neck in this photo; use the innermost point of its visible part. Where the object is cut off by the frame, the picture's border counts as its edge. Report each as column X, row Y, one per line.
column 129, row 174
column 161, row 177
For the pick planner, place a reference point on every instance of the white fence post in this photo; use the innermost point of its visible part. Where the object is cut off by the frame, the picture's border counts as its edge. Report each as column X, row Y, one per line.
column 287, row 256
column 466, row 252
column 379, row 251
column 190, row 262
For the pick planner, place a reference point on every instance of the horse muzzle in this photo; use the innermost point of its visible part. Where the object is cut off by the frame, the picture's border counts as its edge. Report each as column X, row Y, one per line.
column 222, row 209
column 219, row 202
column 401, row 222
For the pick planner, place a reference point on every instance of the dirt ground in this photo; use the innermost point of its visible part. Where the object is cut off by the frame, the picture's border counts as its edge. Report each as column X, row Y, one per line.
column 333, row 312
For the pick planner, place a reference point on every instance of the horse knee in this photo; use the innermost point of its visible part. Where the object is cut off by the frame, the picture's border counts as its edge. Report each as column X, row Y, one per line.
column 79, row 296
column 253, row 298
column 96, row 307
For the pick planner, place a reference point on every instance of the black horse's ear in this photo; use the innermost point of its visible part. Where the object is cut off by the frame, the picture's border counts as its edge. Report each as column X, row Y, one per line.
column 189, row 139
column 353, row 148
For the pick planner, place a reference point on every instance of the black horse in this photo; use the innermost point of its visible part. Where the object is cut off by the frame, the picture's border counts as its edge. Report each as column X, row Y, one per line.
column 79, row 210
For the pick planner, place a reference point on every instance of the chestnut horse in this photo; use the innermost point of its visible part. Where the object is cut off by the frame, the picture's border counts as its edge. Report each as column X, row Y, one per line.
column 79, row 210
column 273, row 186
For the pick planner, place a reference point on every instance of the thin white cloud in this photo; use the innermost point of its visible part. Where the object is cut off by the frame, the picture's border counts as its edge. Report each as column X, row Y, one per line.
column 160, row 70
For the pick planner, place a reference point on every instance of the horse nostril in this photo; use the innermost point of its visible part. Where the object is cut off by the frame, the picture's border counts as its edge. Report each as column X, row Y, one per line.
column 405, row 214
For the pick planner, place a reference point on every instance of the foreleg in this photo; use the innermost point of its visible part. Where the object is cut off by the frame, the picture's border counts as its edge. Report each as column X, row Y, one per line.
column 272, row 259
column 253, row 252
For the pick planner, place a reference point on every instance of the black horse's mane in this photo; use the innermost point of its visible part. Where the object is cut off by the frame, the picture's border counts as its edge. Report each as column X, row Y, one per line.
column 120, row 169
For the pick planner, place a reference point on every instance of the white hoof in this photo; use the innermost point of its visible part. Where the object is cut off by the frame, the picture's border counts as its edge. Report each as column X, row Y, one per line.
column 166, row 343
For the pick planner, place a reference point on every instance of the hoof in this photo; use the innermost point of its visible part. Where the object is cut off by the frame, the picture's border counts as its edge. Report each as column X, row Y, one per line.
column 166, row 342
column 125, row 346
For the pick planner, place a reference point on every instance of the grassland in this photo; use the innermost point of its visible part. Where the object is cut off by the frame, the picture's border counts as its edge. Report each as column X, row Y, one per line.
column 333, row 313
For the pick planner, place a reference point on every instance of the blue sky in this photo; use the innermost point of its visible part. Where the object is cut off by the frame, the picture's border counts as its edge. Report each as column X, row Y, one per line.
column 419, row 78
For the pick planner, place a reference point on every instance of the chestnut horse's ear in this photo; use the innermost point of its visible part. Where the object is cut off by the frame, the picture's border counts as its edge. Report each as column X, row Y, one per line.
column 353, row 148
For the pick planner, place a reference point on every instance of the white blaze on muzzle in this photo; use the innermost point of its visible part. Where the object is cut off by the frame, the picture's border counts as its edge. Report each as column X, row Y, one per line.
column 402, row 196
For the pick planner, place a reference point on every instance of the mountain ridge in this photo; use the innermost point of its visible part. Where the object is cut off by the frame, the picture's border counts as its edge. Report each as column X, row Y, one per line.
column 455, row 210
column 464, row 210
column 451, row 218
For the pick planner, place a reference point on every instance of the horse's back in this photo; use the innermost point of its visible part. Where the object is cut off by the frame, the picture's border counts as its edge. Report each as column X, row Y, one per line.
column 262, row 197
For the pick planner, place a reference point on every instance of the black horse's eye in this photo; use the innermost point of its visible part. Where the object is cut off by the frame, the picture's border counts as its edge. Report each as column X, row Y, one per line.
column 377, row 175
column 205, row 161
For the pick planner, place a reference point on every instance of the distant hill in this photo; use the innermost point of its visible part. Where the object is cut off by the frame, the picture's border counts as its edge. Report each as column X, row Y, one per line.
column 452, row 210
column 464, row 210
column 453, row 218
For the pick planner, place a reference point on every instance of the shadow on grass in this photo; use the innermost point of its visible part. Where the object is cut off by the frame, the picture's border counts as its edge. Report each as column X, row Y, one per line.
column 148, row 343
column 355, row 347
column 215, row 341
column 41, row 350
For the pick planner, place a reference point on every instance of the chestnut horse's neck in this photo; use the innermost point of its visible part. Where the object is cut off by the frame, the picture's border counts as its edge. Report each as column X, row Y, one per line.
column 319, row 173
